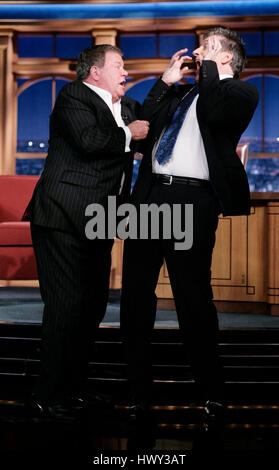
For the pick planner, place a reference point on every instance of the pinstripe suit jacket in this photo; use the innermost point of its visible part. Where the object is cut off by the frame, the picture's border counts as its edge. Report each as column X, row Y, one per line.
column 86, row 159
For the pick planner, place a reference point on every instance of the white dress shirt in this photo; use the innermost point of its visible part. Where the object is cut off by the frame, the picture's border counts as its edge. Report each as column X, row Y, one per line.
column 115, row 110
column 188, row 156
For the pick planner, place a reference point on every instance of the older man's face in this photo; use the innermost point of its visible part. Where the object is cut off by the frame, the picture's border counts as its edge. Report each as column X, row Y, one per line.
column 113, row 75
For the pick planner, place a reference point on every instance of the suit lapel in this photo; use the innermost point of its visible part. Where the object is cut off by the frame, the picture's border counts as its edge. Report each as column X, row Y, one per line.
column 126, row 113
column 90, row 96
column 98, row 102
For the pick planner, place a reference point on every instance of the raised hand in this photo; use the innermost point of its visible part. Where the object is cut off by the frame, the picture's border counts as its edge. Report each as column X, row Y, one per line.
column 213, row 48
column 174, row 72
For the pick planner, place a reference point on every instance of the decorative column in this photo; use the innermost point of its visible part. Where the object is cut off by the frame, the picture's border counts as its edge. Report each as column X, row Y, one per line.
column 7, row 105
column 273, row 262
column 106, row 36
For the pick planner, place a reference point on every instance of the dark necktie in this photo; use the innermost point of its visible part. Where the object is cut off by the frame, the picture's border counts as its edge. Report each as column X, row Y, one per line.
column 167, row 142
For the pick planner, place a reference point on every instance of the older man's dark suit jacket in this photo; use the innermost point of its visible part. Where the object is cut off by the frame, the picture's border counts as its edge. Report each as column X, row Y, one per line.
column 86, row 159
column 224, row 110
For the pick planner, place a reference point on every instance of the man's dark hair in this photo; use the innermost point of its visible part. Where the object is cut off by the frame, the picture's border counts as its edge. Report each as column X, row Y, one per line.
column 93, row 55
column 230, row 42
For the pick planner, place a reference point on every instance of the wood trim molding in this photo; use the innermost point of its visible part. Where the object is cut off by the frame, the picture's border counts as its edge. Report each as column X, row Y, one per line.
column 30, row 155
column 141, row 24
column 7, row 106
column 229, row 307
column 46, row 2
column 142, row 66
column 106, row 36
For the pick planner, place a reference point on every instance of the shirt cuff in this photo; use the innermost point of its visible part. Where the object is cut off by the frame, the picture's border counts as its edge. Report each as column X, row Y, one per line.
column 128, row 138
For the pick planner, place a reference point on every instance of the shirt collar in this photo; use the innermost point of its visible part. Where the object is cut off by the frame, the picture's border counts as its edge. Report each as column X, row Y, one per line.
column 225, row 75
column 104, row 94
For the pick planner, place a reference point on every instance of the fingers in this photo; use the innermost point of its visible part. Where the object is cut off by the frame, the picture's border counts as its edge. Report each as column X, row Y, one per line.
column 144, row 125
column 173, row 73
column 145, row 129
column 214, row 43
column 187, row 60
column 139, row 123
column 214, row 47
column 176, row 58
column 139, row 129
column 177, row 54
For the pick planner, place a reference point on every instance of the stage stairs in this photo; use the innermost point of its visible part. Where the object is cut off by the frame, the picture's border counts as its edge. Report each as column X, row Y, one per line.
column 251, row 366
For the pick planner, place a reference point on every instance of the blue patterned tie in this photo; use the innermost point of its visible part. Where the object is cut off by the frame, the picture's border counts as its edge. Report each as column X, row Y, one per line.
column 167, row 142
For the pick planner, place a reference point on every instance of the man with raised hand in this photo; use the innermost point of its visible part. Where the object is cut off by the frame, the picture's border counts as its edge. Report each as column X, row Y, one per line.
column 189, row 159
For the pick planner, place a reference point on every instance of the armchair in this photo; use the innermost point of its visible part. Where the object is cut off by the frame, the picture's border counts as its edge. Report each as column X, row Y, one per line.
column 17, row 258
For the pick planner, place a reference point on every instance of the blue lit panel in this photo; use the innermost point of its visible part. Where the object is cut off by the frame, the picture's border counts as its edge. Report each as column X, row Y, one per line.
column 189, row 79
column 271, row 43
column 21, row 81
column 69, row 47
column 35, row 46
column 135, row 172
column 253, row 133
column 252, row 43
column 138, row 46
column 170, row 43
column 140, row 90
column 59, row 84
column 140, row 10
column 271, row 115
column 34, row 108
column 263, row 174
column 29, row 166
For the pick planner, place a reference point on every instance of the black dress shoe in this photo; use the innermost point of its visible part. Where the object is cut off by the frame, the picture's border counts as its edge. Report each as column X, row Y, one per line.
column 140, row 428
column 36, row 408
column 85, row 401
column 214, row 414
column 138, row 410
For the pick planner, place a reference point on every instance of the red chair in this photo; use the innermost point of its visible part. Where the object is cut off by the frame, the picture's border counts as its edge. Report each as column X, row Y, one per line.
column 17, row 258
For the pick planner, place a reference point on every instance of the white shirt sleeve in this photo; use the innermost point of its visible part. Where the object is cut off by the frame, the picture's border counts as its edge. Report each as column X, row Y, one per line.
column 128, row 138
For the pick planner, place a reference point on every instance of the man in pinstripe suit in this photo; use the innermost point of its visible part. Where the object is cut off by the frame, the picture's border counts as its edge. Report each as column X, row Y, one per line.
column 92, row 131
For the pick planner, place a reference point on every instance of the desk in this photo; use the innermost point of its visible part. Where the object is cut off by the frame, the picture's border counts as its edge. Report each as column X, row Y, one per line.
column 245, row 265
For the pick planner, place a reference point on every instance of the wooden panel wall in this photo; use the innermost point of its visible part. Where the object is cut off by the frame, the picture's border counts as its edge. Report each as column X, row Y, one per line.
column 245, row 265
column 239, row 258
column 273, row 256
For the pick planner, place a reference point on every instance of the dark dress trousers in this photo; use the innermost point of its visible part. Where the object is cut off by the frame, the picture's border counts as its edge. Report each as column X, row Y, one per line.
column 85, row 164
column 224, row 110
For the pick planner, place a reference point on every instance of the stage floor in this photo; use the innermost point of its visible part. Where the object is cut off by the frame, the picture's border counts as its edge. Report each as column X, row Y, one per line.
column 24, row 305
column 250, row 351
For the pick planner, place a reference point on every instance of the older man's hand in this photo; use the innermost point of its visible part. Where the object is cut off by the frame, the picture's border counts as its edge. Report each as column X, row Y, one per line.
column 139, row 129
